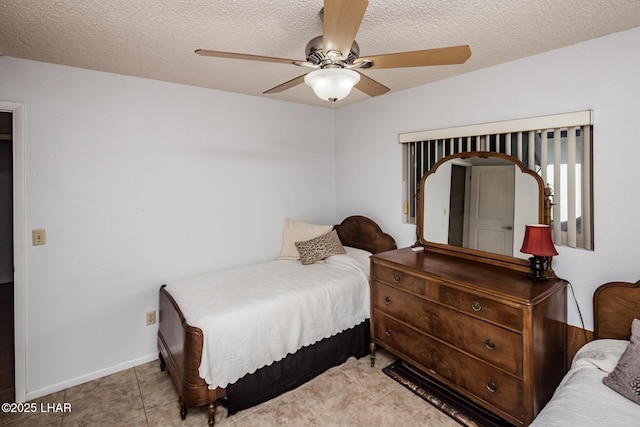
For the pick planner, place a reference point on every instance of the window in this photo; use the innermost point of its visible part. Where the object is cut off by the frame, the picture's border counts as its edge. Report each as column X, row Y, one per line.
column 557, row 147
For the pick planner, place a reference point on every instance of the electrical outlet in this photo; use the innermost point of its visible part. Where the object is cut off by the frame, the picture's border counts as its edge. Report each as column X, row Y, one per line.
column 38, row 237
column 151, row 317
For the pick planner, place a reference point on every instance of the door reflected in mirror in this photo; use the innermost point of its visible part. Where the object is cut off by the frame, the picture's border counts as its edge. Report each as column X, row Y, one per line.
column 479, row 201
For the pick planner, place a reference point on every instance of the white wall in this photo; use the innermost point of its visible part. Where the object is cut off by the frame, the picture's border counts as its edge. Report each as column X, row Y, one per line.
column 138, row 183
column 602, row 74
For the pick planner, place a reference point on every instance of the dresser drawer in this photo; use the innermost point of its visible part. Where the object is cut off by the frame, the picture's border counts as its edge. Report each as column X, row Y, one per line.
column 485, row 382
column 508, row 316
column 399, row 278
column 493, row 344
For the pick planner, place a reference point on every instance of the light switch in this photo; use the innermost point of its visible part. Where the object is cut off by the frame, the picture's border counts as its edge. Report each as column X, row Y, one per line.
column 39, row 237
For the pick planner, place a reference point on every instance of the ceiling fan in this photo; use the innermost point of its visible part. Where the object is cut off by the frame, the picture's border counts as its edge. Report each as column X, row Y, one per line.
column 335, row 56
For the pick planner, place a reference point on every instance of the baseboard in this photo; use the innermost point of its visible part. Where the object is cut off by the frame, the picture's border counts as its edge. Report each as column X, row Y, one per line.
column 90, row 376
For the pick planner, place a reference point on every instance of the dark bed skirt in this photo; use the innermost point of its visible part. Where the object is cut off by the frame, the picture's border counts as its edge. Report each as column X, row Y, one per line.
column 298, row 368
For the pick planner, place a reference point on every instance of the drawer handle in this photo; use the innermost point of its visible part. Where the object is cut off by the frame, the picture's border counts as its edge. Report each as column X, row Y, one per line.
column 475, row 305
column 396, row 278
column 387, row 300
column 489, row 344
column 492, row 387
column 388, row 332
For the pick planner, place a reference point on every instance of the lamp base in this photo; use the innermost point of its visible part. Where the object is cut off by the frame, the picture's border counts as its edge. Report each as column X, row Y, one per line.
column 537, row 269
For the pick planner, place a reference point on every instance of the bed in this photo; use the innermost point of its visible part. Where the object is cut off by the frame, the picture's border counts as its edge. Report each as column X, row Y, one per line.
column 207, row 369
column 613, row 357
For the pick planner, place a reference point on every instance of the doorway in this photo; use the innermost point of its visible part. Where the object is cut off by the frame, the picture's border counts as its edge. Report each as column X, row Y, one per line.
column 457, row 205
column 7, row 327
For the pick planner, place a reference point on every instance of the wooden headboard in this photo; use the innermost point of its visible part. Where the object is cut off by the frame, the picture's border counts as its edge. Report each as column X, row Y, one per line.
column 363, row 233
column 615, row 305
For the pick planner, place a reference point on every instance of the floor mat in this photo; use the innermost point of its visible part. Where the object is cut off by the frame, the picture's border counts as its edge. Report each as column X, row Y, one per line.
column 457, row 407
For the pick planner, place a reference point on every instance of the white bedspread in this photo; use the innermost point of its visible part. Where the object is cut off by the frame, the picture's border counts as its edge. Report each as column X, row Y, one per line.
column 256, row 315
column 582, row 400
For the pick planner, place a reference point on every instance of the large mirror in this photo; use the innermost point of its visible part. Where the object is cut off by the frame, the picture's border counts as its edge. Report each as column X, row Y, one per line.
column 478, row 203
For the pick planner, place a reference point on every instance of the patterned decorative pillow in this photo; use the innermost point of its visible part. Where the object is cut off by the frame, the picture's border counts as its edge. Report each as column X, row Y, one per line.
column 625, row 378
column 294, row 231
column 319, row 248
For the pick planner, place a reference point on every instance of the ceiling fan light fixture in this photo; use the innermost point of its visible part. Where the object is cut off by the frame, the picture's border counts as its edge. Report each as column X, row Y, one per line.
column 332, row 84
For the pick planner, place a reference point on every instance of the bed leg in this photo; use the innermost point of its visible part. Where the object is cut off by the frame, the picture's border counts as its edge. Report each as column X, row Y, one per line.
column 372, row 348
column 183, row 408
column 163, row 364
column 211, row 409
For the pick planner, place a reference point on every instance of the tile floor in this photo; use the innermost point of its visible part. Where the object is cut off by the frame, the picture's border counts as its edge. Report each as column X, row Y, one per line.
column 352, row 394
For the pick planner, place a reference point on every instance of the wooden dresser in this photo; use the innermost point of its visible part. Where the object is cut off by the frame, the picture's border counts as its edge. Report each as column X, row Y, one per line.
column 485, row 331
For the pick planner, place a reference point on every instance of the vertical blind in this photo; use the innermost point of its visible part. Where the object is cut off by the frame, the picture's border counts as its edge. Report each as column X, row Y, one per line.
column 557, row 147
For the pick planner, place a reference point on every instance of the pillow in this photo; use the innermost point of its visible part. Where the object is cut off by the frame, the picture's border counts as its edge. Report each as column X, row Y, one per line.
column 603, row 353
column 625, row 378
column 320, row 248
column 297, row 232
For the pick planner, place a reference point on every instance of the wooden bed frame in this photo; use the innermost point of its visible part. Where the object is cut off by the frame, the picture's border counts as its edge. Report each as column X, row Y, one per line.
column 180, row 344
column 615, row 305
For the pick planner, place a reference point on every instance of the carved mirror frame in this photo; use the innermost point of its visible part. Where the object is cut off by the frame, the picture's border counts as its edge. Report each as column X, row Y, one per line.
column 544, row 216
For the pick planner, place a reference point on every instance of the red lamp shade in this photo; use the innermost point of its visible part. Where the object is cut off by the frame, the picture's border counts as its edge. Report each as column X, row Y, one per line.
column 537, row 241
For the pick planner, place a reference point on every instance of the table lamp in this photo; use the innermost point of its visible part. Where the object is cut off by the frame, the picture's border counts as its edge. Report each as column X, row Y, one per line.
column 537, row 242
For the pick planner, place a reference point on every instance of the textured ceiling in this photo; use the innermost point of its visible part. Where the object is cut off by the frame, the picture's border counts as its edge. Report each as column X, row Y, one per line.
column 156, row 39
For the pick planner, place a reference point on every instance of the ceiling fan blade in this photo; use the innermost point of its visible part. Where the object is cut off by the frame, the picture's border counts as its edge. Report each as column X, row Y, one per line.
column 420, row 58
column 370, row 86
column 232, row 55
column 341, row 22
column 286, row 85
